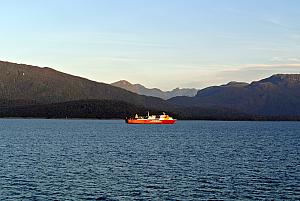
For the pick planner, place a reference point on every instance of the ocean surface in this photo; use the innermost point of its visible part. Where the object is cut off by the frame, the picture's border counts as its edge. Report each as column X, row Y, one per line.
column 110, row 160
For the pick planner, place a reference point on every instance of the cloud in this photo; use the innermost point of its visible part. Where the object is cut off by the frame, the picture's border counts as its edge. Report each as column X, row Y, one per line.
column 241, row 73
column 295, row 36
column 257, row 72
column 275, row 21
column 119, row 59
column 286, row 60
column 276, row 59
column 294, row 59
column 277, row 65
column 267, row 49
column 222, row 67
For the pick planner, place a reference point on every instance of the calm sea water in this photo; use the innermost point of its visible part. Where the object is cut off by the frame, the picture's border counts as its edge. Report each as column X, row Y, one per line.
column 110, row 160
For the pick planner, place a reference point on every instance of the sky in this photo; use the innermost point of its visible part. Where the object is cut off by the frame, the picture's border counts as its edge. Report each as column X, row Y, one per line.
column 157, row 43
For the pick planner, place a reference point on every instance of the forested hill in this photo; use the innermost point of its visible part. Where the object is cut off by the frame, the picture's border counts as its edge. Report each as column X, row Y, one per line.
column 32, row 84
column 278, row 95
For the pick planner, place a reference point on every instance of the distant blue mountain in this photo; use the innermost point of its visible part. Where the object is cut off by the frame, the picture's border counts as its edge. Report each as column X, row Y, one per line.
column 155, row 92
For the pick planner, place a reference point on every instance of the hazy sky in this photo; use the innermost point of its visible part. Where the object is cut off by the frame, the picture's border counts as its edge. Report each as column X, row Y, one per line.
column 158, row 43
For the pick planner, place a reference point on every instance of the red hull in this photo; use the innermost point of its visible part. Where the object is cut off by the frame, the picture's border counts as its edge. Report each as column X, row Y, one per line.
column 149, row 121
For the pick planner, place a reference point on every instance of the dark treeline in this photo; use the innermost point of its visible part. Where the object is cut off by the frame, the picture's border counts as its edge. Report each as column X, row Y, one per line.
column 101, row 109
column 108, row 109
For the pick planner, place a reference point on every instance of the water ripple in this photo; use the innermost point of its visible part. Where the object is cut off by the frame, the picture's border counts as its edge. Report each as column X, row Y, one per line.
column 110, row 160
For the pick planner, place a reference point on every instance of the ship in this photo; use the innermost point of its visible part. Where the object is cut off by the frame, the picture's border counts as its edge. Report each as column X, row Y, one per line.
column 151, row 119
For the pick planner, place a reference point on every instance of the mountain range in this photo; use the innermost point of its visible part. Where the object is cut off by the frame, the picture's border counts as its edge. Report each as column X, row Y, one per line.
column 273, row 96
column 31, row 84
column 155, row 92
column 31, row 91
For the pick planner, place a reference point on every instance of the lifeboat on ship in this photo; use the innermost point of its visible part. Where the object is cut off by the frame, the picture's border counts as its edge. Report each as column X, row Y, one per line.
column 151, row 119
